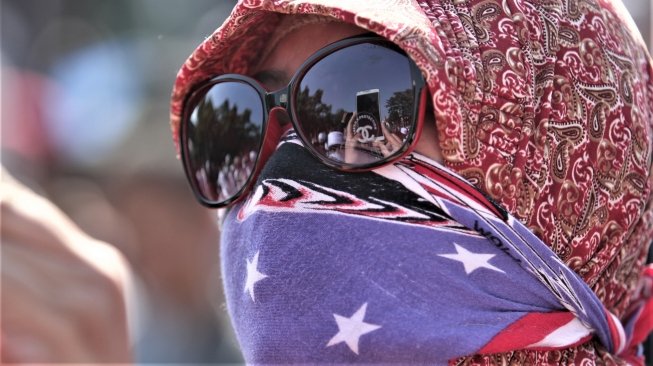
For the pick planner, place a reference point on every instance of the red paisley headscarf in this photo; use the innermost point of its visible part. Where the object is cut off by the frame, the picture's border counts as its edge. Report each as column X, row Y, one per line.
column 545, row 105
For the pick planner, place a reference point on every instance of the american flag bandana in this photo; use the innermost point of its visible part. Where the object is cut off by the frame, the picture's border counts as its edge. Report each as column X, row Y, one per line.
column 405, row 264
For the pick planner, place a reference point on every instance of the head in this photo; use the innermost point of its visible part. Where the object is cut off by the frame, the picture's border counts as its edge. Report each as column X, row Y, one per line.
column 529, row 115
column 497, row 109
column 473, row 136
column 321, row 77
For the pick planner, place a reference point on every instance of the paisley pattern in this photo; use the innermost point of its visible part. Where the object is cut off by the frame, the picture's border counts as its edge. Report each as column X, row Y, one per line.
column 546, row 105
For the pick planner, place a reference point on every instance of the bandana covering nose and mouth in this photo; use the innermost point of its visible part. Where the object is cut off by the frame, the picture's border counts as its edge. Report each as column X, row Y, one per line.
column 544, row 106
column 321, row 267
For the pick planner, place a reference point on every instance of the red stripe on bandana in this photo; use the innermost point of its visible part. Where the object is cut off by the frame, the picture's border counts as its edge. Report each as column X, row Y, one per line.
column 530, row 330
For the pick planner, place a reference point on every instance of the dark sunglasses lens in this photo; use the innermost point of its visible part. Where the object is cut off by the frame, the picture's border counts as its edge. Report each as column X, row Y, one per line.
column 223, row 137
column 355, row 106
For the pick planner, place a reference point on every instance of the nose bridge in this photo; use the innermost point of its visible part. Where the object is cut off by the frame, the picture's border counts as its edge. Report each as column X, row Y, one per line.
column 277, row 98
column 277, row 107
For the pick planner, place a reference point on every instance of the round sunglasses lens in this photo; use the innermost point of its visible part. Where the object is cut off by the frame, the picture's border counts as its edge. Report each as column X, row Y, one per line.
column 223, row 136
column 355, row 106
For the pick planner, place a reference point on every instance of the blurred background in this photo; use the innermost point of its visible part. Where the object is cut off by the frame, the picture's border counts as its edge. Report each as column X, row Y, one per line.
column 85, row 93
column 84, row 117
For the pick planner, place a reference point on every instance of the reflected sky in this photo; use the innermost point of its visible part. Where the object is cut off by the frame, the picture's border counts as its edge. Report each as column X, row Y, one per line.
column 363, row 67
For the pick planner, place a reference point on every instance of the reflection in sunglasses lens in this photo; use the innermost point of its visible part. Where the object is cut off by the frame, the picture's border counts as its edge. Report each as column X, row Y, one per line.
column 223, row 138
column 357, row 113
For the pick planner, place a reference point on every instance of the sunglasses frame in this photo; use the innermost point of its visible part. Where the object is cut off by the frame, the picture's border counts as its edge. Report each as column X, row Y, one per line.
column 285, row 99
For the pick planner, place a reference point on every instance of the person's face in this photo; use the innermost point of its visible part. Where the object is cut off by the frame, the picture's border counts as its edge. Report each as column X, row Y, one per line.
column 298, row 45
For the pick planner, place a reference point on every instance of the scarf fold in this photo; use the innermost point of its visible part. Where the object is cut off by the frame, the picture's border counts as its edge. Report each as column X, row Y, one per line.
column 586, row 312
column 409, row 263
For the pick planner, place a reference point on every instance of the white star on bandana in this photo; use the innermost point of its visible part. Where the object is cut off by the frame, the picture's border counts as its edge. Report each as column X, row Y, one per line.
column 253, row 275
column 351, row 329
column 470, row 260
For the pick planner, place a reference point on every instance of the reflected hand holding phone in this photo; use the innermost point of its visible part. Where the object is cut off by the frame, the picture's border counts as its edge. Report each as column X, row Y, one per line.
column 390, row 144
column 357, row 152
column 367, row 125
column 369, row 138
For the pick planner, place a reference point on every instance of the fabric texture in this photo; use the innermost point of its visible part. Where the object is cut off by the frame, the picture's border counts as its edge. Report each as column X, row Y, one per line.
column 546, row 106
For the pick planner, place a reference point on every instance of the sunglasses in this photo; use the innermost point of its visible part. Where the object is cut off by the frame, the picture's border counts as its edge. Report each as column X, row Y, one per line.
column 356, row 104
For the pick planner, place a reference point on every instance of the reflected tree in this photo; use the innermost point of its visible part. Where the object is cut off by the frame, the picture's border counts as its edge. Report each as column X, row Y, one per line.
column 222, row 131
column 315, row 114
column 400, row 107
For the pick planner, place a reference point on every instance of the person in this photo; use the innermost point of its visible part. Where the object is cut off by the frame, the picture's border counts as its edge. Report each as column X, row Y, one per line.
column 510, row 226
column 64, row 292
column 515, row 231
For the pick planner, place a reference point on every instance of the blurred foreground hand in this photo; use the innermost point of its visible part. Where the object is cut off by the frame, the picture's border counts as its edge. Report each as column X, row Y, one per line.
column 63, row 292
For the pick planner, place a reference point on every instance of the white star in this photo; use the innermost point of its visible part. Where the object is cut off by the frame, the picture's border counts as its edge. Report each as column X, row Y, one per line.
column 472, row 261
column 253, row 275
column 351, row 329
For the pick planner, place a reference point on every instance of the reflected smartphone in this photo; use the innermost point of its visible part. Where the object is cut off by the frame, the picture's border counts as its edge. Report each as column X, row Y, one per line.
column 368, row 119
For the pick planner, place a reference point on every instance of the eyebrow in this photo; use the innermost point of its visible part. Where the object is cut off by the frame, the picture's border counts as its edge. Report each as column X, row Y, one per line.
column 273, row 78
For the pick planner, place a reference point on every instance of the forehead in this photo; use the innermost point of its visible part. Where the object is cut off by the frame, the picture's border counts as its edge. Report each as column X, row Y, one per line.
column 292, row 48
